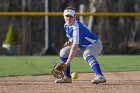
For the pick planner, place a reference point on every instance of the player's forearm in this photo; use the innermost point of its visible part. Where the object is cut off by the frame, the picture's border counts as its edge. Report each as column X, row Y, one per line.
column 72, row 53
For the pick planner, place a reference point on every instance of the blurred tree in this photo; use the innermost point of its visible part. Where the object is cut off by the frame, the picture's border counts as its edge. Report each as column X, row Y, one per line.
column 11, row 36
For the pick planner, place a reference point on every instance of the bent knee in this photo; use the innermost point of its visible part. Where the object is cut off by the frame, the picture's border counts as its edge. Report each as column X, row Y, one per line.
column 64, row 52
column 85, row 55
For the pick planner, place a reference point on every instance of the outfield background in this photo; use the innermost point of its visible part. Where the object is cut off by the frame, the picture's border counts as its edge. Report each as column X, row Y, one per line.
column 39, row 24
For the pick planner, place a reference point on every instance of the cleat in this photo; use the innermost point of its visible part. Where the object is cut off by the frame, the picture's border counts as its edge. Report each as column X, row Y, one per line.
column 98, row 79
column 64, row 80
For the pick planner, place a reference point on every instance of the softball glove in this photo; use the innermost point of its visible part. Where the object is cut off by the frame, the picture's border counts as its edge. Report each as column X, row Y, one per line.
column 58, row 70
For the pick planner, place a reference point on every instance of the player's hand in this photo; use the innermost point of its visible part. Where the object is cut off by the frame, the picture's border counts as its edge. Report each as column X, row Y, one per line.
column 68, row 43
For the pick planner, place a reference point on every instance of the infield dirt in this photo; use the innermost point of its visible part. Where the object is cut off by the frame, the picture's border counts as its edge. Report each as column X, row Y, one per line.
column 117, row 82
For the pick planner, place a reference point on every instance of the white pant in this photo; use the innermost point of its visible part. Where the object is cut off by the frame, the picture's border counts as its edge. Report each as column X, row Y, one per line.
column 92, row 49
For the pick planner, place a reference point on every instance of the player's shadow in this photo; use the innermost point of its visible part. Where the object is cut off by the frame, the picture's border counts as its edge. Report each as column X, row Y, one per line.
column 122, row 82
column 115, row 82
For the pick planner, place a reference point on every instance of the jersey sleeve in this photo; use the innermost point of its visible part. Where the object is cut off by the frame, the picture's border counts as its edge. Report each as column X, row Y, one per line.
column 75, row 35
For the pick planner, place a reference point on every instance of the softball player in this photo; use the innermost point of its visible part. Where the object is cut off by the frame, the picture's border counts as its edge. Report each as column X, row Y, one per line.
column 81, row 41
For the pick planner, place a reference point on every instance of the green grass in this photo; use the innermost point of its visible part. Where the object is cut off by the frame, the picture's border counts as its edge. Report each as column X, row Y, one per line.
column 120, row 63
column 37, row 65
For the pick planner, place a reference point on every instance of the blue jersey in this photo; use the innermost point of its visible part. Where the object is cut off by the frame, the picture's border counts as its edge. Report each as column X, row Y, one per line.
column 78, row 33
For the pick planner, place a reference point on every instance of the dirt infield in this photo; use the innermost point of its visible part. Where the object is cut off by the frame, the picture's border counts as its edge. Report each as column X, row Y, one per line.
column 119, row 82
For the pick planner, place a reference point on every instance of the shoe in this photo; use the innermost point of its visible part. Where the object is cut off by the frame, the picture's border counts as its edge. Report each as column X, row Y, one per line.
column 64, row 80
column 98, row 79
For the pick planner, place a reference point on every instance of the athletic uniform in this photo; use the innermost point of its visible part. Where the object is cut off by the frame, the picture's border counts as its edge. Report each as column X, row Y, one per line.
column 89, row 45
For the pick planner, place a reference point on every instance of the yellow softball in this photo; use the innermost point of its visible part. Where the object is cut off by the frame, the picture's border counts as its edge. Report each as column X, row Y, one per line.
column 74, row 75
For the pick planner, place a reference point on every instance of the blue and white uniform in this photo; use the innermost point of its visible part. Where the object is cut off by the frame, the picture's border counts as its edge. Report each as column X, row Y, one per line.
column 81, row 42
column 89, row 45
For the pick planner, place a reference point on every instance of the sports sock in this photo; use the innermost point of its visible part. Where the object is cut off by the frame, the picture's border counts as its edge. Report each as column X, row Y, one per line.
column 94, row 64
column 67, row 71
